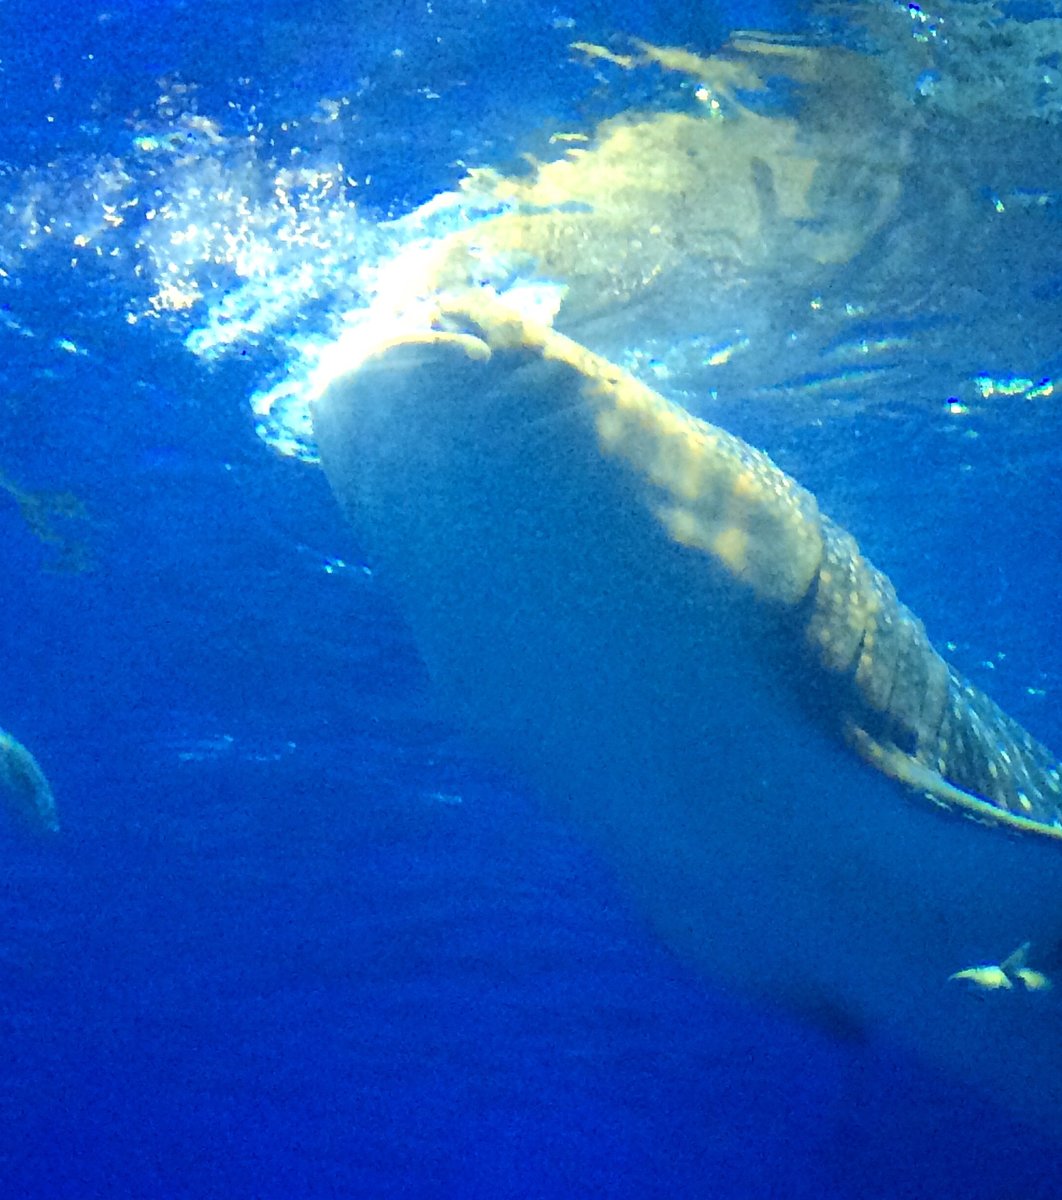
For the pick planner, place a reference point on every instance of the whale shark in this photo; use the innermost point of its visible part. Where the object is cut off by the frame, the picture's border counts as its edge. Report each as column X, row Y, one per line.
column 650, row 623
column 663, row 635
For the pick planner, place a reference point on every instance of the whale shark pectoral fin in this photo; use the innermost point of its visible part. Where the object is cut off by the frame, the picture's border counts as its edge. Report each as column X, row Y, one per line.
column 906, row 769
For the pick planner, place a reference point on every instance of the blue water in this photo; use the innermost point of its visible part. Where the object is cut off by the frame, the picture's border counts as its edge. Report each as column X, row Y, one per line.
column 296, row 938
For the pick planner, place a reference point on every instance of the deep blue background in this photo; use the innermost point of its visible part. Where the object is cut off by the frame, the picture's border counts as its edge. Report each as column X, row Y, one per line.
column 290, row 963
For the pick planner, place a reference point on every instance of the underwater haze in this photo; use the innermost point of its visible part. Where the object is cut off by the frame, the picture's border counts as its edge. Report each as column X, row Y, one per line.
column 297, row 934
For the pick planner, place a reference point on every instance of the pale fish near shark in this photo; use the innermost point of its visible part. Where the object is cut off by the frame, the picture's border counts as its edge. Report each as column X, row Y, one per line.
column 662, row 634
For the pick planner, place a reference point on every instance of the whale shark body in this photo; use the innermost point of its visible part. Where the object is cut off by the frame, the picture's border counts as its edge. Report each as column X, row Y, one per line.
column 659, row 631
